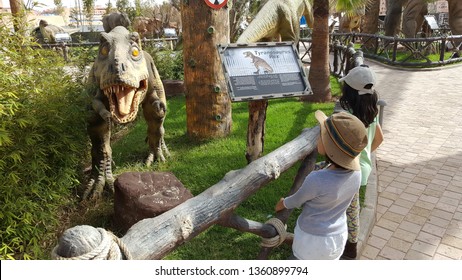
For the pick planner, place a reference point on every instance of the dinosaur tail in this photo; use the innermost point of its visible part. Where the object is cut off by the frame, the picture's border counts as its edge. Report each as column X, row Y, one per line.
column 263, row 25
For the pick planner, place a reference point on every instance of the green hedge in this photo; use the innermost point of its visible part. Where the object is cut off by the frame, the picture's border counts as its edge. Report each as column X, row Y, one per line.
column 42, row 143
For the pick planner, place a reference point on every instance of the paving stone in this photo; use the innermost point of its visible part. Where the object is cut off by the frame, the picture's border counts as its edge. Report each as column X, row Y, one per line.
column 429, row 238
column 404, row 203
column 399, row 209
column 399, row 244
column 446, row 207
column 429, row 199
column 416, row 219
column 408, row 226
column 393, row 217
column 409, row 197
column 458, row 216
column 441, row 257
column 384, row 201
column 449, row 201
column 449, row 251
column 423, row 247
column 442, row 214
column 370, row 252
column 438, row 222
column 416, row 255
column 382, row 233
column 452, row 241
column 433, row 229
column 391, row 253
column 387, row 224
column 405, row 235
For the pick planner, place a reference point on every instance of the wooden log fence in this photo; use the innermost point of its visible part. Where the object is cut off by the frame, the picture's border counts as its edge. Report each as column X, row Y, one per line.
column 154, row 238
column 66, row 46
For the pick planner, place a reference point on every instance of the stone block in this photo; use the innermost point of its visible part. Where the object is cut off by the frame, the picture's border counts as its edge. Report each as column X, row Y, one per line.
column 141, row 195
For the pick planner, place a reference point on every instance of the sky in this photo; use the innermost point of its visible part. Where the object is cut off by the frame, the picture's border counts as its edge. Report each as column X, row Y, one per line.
column 48, row 4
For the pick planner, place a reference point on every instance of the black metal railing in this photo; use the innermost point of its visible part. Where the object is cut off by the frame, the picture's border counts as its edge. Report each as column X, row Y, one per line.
column 405, row 52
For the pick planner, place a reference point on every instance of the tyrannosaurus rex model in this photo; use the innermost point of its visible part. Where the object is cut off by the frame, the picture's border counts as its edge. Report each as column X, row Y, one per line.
column 122, row 77
column 278, row 18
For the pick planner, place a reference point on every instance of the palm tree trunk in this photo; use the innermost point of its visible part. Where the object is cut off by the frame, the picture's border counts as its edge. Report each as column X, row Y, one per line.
column 319, row 71
column 208, row 106
column 370, row 24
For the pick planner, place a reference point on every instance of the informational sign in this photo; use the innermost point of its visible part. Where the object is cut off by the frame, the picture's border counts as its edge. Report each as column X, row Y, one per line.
column 216, row 4
column 263, row 71
column 431, row 21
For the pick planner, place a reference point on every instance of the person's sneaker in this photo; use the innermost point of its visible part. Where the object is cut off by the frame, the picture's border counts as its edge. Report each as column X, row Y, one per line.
column 350, row 251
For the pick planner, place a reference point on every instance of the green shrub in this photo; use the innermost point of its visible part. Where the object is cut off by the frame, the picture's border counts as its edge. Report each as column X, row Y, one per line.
column 169, row 63
column 42, row 143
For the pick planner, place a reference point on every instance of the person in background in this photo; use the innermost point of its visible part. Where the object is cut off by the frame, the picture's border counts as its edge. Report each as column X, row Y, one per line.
column 359, row 98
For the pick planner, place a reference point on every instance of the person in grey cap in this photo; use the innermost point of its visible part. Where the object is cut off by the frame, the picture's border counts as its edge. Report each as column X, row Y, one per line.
column 321, row 230
column 359, row 97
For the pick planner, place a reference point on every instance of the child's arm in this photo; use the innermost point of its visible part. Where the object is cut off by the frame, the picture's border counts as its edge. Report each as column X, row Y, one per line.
column 378, row 138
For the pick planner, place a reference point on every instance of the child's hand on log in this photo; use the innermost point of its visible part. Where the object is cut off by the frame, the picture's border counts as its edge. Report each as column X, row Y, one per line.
column 280, row 205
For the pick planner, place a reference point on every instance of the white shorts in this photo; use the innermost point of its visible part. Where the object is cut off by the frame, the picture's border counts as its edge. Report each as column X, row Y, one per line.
column 314, row 247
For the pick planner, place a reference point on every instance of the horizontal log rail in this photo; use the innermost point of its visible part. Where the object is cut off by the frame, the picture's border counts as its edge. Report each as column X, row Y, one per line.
column 144, row 41
column 153, row 238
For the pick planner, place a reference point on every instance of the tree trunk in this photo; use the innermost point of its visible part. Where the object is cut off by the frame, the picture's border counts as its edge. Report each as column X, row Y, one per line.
column 208, row 106
column 393, row 18
column 319, row 75
column 256, row 129
column 370, row 24
column 16, row 9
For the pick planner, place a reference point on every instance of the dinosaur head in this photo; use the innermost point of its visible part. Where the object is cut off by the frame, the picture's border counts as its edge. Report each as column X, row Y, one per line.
column 121, row 73
column 247, row 54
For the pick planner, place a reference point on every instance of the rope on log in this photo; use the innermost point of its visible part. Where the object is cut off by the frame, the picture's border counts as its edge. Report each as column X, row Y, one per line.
column 279, row 238
column 89, row 243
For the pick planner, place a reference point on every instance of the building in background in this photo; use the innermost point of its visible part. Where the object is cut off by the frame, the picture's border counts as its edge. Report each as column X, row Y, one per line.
column 3, row 9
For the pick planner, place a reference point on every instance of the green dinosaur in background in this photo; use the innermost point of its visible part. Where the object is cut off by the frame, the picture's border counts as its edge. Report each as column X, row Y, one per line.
column 49, row 31
column 122, row 77
column 278, row 18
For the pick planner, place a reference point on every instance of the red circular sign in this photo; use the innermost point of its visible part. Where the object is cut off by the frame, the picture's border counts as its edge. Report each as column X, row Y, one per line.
column 216, row 4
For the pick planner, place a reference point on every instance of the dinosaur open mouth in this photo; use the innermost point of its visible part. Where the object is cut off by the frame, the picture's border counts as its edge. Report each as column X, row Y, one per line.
column 124, row 100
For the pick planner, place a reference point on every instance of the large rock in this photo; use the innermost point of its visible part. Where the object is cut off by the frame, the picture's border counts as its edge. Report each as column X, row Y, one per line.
column 141, row 195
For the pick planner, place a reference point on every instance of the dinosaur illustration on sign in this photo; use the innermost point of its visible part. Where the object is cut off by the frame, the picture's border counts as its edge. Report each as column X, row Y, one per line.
column 259, row 63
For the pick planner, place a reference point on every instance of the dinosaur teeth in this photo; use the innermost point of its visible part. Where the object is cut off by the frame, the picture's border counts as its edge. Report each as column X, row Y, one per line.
column 124, row 99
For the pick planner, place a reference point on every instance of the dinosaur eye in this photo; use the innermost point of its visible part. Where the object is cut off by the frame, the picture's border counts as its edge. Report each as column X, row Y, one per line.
column 104, row 51
column 135, row 52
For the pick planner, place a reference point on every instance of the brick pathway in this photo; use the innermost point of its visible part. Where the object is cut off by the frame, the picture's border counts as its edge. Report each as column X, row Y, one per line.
column 419, row 166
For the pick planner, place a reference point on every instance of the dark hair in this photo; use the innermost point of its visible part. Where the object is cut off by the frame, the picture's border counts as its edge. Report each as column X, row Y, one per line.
column 364, row 106
column 329, row 160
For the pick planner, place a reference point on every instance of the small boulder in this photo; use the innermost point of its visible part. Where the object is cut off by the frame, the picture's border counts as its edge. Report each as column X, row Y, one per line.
column 141, row 195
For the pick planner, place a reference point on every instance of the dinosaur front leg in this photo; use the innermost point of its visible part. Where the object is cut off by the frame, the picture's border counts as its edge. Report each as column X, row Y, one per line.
column 99, row 130
column 154, row 111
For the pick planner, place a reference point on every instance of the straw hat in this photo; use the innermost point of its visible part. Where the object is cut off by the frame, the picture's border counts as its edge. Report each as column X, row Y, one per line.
column 359, row 77
column 344, row 137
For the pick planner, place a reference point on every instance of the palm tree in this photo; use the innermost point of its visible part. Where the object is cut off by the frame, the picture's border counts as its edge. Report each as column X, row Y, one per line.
column 371, row 19
column 208, row 106
column 319, row 70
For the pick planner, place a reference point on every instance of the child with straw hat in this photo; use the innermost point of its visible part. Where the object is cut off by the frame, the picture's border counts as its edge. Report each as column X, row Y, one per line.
column 321, row 230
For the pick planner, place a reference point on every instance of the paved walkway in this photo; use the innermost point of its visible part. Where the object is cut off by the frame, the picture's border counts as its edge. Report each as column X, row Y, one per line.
column 419, row 166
